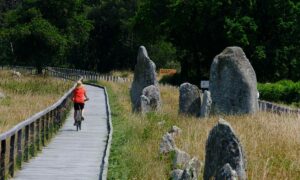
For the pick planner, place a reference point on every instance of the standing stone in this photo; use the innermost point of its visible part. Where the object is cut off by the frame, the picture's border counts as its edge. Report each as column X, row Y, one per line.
column 167, row 144
column 176, row 174
column 2, row 96
column 192, row 170
column 206, row 104
column 150, row 99
column 233, row 83
column 175, row 130
column 180, row 159
column 226, row 173
column 144, row 75
column 223, row 147
column 189, row 99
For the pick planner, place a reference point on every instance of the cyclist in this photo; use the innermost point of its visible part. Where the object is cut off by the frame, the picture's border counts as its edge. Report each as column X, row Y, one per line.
column 79, row 97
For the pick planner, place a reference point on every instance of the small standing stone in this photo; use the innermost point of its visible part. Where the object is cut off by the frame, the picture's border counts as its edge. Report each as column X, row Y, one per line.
column 192, row 170
column 180, row 159
column 206, row 104
column 2, row 95
column 223, row 147
column 226, row 173
column 175, row 130
column 150, row 99
column 189, row 99
column 167, row 144
column 176, row 174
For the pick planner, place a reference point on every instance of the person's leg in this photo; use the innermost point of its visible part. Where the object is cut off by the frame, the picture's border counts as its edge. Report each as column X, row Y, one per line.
column 76, row 107
column 82, row 110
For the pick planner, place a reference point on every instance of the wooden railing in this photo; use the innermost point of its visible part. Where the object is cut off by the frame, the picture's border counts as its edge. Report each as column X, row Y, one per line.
column 70, row 74
column 90, row 75
column 275, row 108
column 25, row 139
column 58, row 74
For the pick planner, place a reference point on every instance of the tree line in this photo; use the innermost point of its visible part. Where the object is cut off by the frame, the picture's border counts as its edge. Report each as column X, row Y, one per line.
column 104, row 35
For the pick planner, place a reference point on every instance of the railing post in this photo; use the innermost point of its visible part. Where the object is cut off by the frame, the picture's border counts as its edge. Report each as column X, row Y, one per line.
column 26, row 146
column 43, row 130
column 32, row 140
column 51, row 128
column 47, row 127
column 2, row 159
column 37, row 138
column 12, row 156
column 19, row 148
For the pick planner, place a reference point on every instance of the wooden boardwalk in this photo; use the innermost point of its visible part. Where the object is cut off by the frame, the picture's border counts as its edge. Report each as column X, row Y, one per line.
column 73, row 155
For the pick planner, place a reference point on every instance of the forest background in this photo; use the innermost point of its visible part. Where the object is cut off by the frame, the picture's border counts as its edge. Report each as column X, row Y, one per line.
column 104, row 35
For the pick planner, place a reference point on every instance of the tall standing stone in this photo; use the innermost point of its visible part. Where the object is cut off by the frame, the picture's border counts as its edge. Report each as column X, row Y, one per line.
column 223, row 147
column 189, row 99
column 233, row 83
column 144, row 75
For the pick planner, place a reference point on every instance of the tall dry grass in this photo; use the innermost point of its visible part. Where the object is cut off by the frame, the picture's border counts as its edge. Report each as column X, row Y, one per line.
column 26, row 96
column 271, row 142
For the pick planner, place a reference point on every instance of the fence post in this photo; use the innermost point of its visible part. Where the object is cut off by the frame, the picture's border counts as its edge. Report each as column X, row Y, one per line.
column 51, row 119
column 26, row 146
column 12, row 156
column 47, row 127
column 32, row 141
column 19, row 148
column 2, row 159
column 37, row 138
column 43, row 130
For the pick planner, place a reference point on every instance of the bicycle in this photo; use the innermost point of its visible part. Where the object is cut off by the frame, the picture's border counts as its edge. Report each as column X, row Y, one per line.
column 78, row 117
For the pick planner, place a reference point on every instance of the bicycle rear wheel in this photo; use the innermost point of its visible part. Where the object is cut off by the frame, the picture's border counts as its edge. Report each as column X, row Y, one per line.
column 78, row 120
column 78, row 125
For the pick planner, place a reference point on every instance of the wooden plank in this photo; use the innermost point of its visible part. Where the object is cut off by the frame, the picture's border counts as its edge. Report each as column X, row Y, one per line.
column 73, row 155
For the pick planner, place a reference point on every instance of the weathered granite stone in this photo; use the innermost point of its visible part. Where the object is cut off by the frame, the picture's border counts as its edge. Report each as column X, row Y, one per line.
column 223, row 147
column 2, row 95
column 176, row 174
column 206, row 104
column 226, row 173
column 150, row 99
column 180, row 159
column 16, row 74
column 189, row 99
column 233, row 83
column 175, row 130
column 167, row 144
column 144, row 75
column 192, row 170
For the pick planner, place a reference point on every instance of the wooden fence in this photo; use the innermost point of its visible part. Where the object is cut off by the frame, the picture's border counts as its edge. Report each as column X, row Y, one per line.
column 275, row 108
column 89, row 75
column 23, row 141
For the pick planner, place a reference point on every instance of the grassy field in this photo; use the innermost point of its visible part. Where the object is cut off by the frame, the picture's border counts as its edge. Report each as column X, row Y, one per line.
column 26, row 96
column 271, row 142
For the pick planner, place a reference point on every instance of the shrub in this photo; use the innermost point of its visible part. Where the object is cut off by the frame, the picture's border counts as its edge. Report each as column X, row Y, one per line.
column 284, row 91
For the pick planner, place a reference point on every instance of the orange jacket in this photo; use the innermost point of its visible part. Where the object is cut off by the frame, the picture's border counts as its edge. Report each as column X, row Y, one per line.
column 79, row 95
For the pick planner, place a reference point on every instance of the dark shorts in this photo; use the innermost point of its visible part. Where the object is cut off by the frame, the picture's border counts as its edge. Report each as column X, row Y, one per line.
column 78, row 106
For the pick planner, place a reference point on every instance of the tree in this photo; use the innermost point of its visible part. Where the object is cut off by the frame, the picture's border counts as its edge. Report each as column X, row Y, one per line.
column 111, row 44
column 36, row 43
